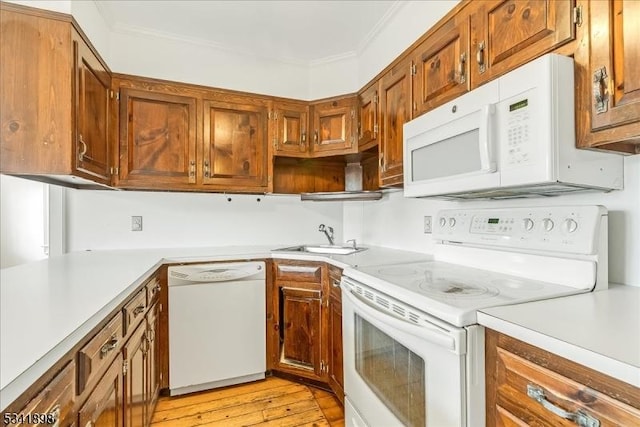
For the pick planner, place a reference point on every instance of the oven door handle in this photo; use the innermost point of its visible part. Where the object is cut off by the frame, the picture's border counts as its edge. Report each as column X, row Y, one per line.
column 434, row 333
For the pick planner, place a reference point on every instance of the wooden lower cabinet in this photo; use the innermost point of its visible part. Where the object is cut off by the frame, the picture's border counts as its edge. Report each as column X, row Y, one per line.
column 334, row 336
column 136, row 391
column 304, row 322
column 524, row 382
column 103, row 407
column 153, row 359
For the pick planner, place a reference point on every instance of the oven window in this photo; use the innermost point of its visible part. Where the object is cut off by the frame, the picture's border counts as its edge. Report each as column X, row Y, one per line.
column 394, row 373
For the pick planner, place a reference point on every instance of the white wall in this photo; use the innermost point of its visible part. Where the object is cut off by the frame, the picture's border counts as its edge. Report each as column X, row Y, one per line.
column 23, row 220
column 102, row 220
column 397, row 222
column 193, row 61
column 408, row 22
column 94, row 26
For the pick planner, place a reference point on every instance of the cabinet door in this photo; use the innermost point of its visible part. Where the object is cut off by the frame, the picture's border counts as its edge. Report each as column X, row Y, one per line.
column 291, row 122
column 135, row 378
column 368, row 118
column 92, row 85
column 508, row 33
column 301, row 331
column 614, row 65
column 103, row 408
column 334, row 334
column 235, row 145
column 333, row 125
column 441, row 66
column 157, row 139
column 395, row 111
column 153, row 359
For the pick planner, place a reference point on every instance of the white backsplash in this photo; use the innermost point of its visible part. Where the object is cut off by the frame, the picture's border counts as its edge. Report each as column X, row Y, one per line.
column 102, row 220
column 397, row 222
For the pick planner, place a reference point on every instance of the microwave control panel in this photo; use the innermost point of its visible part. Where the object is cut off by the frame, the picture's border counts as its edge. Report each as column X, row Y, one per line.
column 518, row 132
column 571, row 229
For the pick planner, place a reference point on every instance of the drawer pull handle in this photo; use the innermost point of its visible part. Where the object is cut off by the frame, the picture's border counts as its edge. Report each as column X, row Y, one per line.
column 55, row 411
column 138, row 310
column 580, row 418
column 108, row 346
column 155, row 289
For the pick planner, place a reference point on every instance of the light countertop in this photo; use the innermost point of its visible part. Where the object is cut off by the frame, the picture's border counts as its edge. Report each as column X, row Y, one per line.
column 48, row 306
column 600, row 330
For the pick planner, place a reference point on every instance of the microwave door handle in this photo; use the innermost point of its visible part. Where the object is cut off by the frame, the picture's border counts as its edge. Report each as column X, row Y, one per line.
column 486, row 137
column 433, row 334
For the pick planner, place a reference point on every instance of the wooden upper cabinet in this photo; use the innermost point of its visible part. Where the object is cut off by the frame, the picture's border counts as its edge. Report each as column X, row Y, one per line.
column 609, row 112
column 395, row 111
column 157, row 139
column 368, row 117
column 441, row 65
column 92, row 86
column 235, row 145
column 54, row 100
column 333, row 126
column 290, row 122
column 508, row 33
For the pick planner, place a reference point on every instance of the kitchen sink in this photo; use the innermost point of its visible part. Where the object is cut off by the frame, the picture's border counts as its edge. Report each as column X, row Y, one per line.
column 323, row 249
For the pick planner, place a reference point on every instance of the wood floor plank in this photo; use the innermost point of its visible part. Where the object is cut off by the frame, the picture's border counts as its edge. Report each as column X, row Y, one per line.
column 202, row 397
column 269, row 403
column 163, row 414
column 214, row 413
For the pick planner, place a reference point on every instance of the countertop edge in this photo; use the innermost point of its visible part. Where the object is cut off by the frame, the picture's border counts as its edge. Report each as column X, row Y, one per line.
column 598, row 362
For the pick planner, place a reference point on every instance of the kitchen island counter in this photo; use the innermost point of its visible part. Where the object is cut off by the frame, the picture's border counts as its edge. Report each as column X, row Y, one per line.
column 48, row 306
column 599, row 330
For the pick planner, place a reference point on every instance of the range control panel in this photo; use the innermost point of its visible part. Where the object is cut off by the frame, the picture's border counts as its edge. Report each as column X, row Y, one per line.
column 571, row 229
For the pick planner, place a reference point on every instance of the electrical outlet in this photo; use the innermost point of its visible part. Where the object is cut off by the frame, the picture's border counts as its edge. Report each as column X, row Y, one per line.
column 136, row 223
column 427, row 224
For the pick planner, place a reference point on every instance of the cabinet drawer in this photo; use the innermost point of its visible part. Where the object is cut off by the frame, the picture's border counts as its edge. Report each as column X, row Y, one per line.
column 153, row 290
column 299, row 272
column 99, row 352
column 536, row 395
column 55, row 400
column 134, row 310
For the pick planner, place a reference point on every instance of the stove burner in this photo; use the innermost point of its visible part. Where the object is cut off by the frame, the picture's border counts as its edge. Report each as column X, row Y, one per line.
column 451, row 288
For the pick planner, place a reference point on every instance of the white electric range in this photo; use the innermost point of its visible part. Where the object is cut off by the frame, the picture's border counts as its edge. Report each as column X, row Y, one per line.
column 413, row 352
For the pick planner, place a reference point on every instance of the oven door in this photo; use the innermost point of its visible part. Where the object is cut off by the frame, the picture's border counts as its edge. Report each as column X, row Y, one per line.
column 397, row 372
column 451, row 148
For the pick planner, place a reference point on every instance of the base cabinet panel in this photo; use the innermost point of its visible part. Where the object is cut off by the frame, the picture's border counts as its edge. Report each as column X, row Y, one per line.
column 104, row 406
column 527, row 386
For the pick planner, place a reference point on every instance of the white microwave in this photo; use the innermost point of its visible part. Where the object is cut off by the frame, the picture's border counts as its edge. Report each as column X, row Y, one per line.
column 512, row 137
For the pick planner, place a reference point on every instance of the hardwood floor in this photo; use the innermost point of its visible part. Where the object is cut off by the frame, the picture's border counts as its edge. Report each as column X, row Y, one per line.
column 272, row 402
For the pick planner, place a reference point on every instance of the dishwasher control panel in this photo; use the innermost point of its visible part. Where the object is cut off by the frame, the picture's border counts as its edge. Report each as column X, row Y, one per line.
column 222, row 272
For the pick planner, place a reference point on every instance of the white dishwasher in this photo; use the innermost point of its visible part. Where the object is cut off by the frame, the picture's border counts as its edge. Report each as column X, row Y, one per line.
column 216, row 325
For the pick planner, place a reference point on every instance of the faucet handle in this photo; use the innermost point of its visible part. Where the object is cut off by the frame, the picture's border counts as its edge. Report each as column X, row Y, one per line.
column 330, row 231
column 353, row 242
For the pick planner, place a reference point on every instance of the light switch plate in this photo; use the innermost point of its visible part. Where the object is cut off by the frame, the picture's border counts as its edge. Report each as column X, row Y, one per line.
column 136, row 223
column 427, row 224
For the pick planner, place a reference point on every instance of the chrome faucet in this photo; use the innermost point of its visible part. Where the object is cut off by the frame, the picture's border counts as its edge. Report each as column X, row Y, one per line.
column 328, row 231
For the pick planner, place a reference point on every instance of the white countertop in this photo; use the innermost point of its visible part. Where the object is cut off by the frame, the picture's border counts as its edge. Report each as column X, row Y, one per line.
column 47, row 306
column 600, row 330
